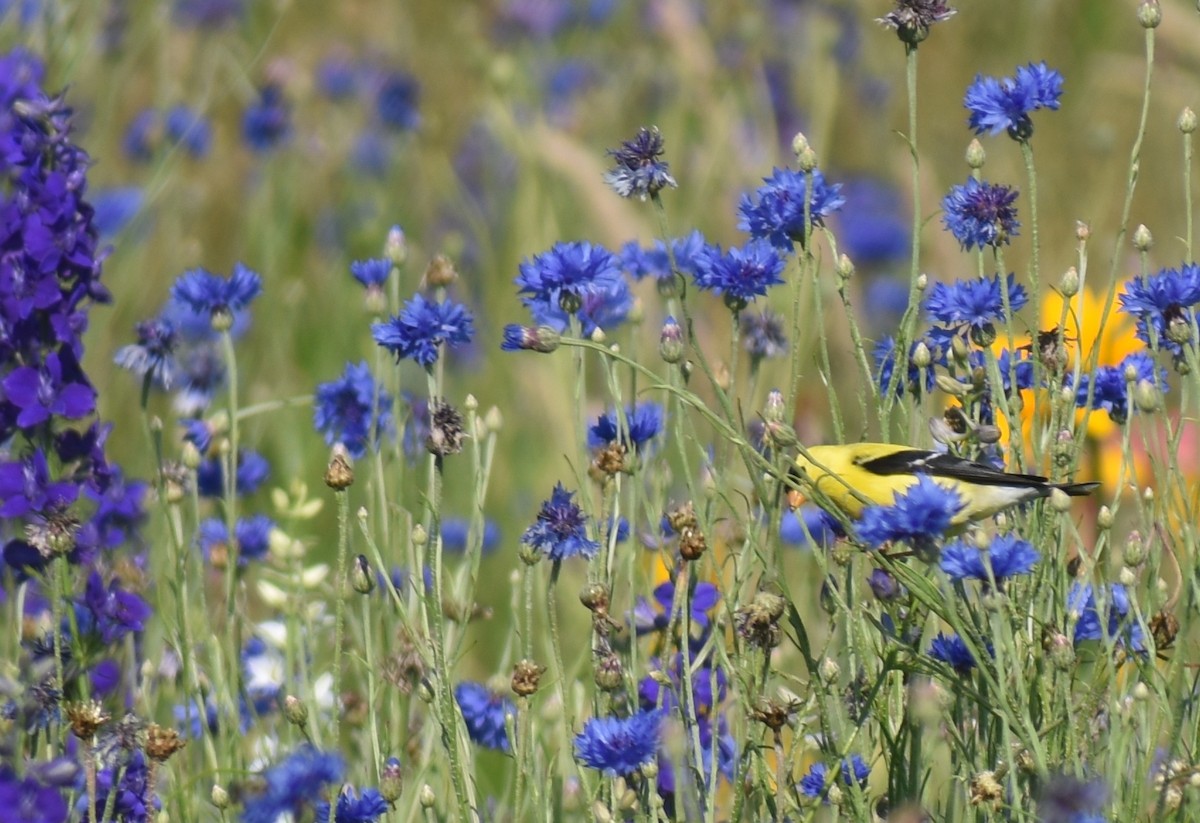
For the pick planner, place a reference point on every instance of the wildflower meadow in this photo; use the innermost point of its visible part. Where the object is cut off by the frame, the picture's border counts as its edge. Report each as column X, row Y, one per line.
column 592, row 409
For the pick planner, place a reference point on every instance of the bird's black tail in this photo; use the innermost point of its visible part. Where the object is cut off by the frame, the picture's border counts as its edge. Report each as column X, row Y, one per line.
column 1078, row 489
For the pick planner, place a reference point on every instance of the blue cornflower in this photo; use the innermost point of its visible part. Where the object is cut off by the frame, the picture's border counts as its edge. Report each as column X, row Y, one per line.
column 559, row 280
column 884, row 586
column 1007, row 554
column 1117, row 623
column 1164, row 305
column 1021, row 368
column 253, row 537
column 456, row 532
column 58, row 388
column 372, row 152
column 293, row 784
column 205, row 293
column 1110, row 388
column 778, row 214
column 396, row 101
column 917, row 380
column 483, row 711
column 973, row 303
column 561, row 528
column 115, row 209
column 153, row 355
column 640, row 172
column 252, row 470
column 922, row 513
column 353, row 410
column 656, row 262
column 353, row 808
column 853, row 770
column 337, row 77
column 602, row 308
column 885, row 300
column 763, row 335
column 981, row 214
column 649, row 617
column 796, row 527
column 208, row 14
column 644, row 421
column 740, row 274
column 138, row 141
column 421, row 327
column 873, row 229
column 268, row 122
column 373, row 272
column 189, row 129
column 619, row 746
column 1005, row 104
column 951, row 649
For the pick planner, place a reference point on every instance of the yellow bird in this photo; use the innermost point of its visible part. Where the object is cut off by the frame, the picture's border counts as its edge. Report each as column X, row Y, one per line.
column 857, row 475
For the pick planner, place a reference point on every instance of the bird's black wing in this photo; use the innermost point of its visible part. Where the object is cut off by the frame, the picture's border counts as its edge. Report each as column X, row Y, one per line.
column 940, row 464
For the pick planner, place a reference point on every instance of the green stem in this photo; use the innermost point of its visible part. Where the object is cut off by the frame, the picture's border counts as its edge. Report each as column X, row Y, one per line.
column 339, row 599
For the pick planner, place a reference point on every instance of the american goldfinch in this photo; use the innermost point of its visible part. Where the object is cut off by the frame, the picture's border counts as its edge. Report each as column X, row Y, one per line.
column 857, row 475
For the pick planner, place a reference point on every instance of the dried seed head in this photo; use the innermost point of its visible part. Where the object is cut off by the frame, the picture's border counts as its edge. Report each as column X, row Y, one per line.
column 440, row 272
column 609, row 672
column 446, row 432
column 986, row 790
column 162, row 742
column 1164, row 628
column 339, row 474
column 595, row 597
column 526, row 676
column 86, row 718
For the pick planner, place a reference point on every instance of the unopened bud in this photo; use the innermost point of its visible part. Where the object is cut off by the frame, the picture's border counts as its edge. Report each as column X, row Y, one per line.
column 807, row 159
column 949, row 385
column 829, row 670
column 1060, row 501
column 391, row 780
column 1126, row 577
column 295, row 711
column 1187, row 120
column 774, row 409
column 190, row 456
column 419, row 536
column 1134, row 553
column 1149, row 14
column 219, row 797
column 844, row 267
column 1104, row 518
column 1147, row 397
column 670, row 342
column 1069, row 285
column 976, row 156
column 395, row 248
column 799, row 144
column 922, row 281
column 426, row 797
column 921, row 356
column 361, row 578
column 493, row 419
column 1142, row 239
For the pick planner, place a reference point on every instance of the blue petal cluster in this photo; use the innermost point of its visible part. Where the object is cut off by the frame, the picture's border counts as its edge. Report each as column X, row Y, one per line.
column 922, row 513
column 916, row 381
column 396, row 101
column 253, row 535
column 776, row 212
column 560, row 530
column 1109, row 386
column 853, row 770
column 951, row 649
column 1164, row 304
column 293, row 785
column 366, row 807
column 1110, row 620
column 207, row 294
column 579, row 279
column 1007, row 555
column 421, row 327
column 740, row 274
column 974, row 303
column 1004, row 104
column 483, row 712
column 354, row 410
column 640, row 172
column 268, row 122
column 873, row 227
column 619, row 746
column 644, row 421
column 252, row 470
column 763, row 335
column 651, row 617
column 981, row 214
column 373, row 272
column 656, row 262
